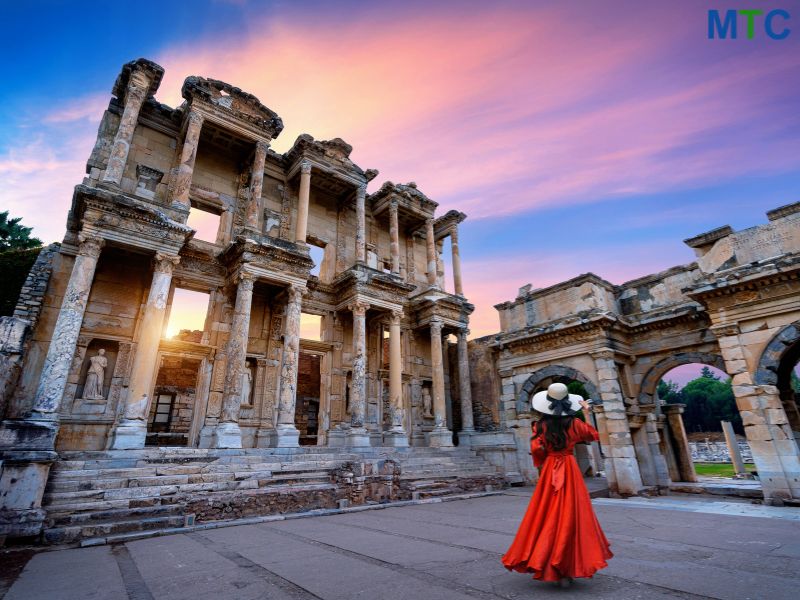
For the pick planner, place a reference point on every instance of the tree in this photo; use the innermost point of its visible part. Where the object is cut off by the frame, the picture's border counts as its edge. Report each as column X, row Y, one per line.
column 668, row 392
column 14, row 236
column 795, row 382
column 710, row 400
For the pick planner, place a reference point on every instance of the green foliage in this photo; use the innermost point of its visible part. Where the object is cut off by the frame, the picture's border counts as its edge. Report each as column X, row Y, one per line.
column 14, row 267
column 708, row 401
column 718, row 469
column 14, row 236
column 576, row 387
column 795, row 382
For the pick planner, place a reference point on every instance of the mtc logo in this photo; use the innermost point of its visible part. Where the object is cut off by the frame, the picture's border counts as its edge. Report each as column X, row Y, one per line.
column 774, row 23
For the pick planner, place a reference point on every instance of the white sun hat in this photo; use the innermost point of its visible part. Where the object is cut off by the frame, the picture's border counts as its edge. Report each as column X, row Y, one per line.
column 556, row 400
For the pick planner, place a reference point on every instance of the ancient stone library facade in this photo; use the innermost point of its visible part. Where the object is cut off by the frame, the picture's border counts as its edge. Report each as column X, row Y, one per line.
column 110, row 414
column 736, row 308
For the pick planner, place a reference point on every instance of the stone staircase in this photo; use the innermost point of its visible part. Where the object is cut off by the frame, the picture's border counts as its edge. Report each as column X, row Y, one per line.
column 95, row 497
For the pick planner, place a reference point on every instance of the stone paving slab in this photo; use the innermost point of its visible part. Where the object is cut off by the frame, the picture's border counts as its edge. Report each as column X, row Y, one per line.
column 664, row 548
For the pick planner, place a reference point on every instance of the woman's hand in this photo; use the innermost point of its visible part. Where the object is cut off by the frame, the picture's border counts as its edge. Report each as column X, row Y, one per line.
column 585, row 405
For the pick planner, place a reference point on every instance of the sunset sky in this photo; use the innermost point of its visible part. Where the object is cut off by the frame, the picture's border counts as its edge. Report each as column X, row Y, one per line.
column 577, row 136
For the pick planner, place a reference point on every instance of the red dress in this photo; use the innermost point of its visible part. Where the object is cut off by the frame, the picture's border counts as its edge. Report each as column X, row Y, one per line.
column 559, row 536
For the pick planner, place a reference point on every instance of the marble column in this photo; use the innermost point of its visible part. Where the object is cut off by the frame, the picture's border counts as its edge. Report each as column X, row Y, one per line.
column 430, row 246
column 620, row 453
column 256, row 183
column 183, row 178
column 301, row 231
column 361, row 225
column 680, row 443
column 394, row 237
column 441, row 436
column 733, row 448
column 288, row 434
column 57, row 363
column 357, row 435
column 457, row 285
column 132, row 428
column 465, row 389
column 397, row 435
column 227, row 433
column 138, row 84
column 766, row 425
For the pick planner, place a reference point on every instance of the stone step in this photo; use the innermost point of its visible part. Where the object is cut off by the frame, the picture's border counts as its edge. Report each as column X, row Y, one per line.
column 56, row 518
column 65, row 535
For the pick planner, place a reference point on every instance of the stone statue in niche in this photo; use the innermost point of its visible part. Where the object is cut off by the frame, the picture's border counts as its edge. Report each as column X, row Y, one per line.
column 247, row 384
column 426, row 402
column 95, row 376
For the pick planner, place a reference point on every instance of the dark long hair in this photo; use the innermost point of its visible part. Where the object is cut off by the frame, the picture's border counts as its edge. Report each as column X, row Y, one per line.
column 554, row 430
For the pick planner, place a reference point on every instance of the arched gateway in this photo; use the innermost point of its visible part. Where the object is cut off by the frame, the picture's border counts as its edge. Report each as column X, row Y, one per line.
column 736, row 308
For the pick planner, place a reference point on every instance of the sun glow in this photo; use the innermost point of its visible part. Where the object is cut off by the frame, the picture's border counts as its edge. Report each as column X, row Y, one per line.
column 189, row 309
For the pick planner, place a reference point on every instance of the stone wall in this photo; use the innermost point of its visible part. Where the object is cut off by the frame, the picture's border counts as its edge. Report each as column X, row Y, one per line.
column 718, row 452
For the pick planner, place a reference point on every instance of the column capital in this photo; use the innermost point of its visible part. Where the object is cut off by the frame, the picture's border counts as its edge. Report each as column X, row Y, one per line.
column 194, row 118
column 395, row 317
column 604, row 353
column 361, row 190
column 393, row 204
column 245, row 280
column 305, row 167
column 165, row 263
column 453, row 231
column 359, row 308
column 436, row 326
column 295, row 293
column 262, row 147
column 90, row 245
column 463, row 333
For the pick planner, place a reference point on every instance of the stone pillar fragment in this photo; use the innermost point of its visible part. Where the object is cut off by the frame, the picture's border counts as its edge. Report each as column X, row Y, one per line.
column 132, row 429
column 620, row 453
column 301, row 231
column 256, row 184
column 394, row 237
column 63, row 342
column 771, row 440
column 397, row 435
column 440, row 436
column 183, row 179
column 358, row 436
column 680, row 442
column 733, row 448
column 138, row 84
column 430, row 246
column 457, row 284
column 288, row 434
column 361, row 225
column 227, row 433
column 465, row 389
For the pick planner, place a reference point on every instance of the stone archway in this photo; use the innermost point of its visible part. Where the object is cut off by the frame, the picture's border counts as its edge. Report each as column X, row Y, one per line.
column 551, row 371
column 775, row 368
column 650, row 382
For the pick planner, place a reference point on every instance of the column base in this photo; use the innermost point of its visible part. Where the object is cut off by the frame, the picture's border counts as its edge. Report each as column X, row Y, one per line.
column 336, row 438
column 288, row 437
column 29, row 434
column 465, row 437
column 396, row 438
column 23, row 477
column 228, row 435
column 129, row 435
column 357, row 437
column 440, row 438
column 265, row 438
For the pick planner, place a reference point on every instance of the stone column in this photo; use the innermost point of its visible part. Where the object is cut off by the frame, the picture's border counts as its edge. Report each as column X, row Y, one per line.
column 766, row 425
column 457, row 285
column 132, row 429
column 227, row 433
column 397, row 435
column 651, row 426
column 183, row 178
column 256, row 184
column 288, row 435
column 430, row 246
column 733, row 448
column 394, row 237
column 361, row 225
column 358, row 436
column 440, row 436
column 302, row 202
column 465, row 389
column 680, row 443
column 138, row 84
column 620, row 453
column 53, row 378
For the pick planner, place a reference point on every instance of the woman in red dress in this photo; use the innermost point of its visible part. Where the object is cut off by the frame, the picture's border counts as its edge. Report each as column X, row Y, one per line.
column 559, row 537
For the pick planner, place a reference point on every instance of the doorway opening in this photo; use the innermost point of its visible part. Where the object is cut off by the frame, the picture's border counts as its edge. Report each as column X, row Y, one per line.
column 306, row 414
column 172, row 407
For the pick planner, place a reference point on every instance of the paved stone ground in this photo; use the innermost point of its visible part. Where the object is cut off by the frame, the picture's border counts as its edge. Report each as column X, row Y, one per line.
column 669, row 547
